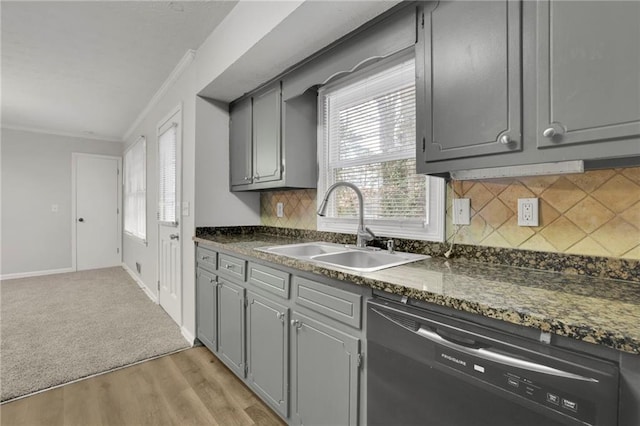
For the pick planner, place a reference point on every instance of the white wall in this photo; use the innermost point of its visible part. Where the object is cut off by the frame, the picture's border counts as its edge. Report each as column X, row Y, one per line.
column 213, row 198
column 36, row 173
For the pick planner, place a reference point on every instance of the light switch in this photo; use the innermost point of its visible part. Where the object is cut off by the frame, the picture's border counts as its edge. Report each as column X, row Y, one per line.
column 280, row 210
column 185, row 208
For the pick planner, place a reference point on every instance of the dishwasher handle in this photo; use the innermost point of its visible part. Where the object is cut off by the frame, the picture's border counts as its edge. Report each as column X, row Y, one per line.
column 499, row 358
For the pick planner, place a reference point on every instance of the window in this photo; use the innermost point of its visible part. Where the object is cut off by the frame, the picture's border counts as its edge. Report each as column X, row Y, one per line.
column 135, row 190
column 368, row 138
column 167, row 156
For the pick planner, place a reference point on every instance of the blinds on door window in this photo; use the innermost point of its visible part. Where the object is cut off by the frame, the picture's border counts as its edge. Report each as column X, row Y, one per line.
column 167, row 208
column 370, row 141
column 135, row 190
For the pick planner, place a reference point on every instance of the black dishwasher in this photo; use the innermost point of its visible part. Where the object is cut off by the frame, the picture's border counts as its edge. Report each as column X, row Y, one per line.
column 425, row 368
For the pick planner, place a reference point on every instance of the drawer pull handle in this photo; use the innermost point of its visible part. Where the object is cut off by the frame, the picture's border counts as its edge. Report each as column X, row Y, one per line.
column 228, row 266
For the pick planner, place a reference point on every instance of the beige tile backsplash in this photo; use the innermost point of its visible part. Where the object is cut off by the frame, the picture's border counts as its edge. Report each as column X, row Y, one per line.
column 595, row 213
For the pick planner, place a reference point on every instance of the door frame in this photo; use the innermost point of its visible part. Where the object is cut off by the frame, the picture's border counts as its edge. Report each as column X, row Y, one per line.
column 74, row 193
column 175, row 111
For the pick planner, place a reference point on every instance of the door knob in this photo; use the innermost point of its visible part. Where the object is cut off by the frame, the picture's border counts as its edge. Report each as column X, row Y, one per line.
column 81, row 219
column 174, row 236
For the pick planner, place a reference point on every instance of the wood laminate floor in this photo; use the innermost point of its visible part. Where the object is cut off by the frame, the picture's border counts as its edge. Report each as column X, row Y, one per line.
column 191, row 387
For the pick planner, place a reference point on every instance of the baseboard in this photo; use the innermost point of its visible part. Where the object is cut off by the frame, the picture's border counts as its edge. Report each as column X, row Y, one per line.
column 187, row 335
column 138, row 281
column 35, row 273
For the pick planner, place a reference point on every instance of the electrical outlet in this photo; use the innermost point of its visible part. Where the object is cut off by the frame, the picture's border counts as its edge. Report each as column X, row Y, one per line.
column 461, row 211
column 528, row 212
column 280, row 210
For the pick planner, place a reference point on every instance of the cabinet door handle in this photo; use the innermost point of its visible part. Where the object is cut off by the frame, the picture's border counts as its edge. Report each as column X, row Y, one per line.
column 247, row 178
column 227, row 266
column 213, row 280
column 280, row 315
column 296, row 323
column 505, row 139
column 256, row 176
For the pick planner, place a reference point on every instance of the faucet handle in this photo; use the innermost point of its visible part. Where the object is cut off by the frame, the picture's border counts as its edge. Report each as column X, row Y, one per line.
column 370, row 232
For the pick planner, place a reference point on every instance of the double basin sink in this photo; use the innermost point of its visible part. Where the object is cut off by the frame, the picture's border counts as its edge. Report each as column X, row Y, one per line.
column 347, row 257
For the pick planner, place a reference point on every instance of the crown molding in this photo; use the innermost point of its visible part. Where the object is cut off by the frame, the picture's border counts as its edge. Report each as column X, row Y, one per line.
column 182, row 65
column 80, row 135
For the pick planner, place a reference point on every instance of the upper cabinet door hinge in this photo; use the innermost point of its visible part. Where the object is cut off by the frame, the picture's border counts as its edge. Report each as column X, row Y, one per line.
column 424, row 144
column 359, row 360
column 422, row 21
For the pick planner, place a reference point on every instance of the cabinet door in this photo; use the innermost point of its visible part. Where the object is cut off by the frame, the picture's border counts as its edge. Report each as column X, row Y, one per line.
column 206, row 308
column 267, row 351
column 240, row 153
column 267, row 158
column 588, row 71
column 469, row 96
column 324, row 374
column 231, row 325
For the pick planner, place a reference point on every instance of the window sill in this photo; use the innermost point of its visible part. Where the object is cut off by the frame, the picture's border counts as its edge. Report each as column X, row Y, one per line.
column 138, row 240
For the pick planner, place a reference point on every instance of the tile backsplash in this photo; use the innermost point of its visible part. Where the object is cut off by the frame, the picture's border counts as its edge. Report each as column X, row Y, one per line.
column 596, row 213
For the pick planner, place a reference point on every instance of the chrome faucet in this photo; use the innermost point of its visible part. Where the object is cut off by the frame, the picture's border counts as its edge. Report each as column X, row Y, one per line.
column 364, row 234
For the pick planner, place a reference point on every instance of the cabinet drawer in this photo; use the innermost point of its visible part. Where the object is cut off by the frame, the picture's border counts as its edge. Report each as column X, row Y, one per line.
column 269, row 279
column 232, row 266
column 335, row 303
column 206, row 258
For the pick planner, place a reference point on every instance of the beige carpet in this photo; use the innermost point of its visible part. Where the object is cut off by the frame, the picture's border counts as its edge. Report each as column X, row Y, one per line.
column 59, row 328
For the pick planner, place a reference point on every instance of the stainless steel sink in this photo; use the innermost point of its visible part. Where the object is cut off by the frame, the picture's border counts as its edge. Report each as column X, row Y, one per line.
column 304, row 250
column 346, row 257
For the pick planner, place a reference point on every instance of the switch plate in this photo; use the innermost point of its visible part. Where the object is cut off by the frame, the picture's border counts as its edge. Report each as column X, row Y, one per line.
column 528, row 212
column 461, row 211
column 280, row 210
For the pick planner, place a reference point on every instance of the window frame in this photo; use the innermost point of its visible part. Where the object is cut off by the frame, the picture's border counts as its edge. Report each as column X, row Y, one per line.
column 433, row 227
column 141, row 239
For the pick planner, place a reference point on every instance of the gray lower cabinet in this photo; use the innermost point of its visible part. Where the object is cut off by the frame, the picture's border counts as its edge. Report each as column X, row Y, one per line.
column 206, row 308
column 231, row 327
column 324, row 374
column 268, row 351
column 588, row 72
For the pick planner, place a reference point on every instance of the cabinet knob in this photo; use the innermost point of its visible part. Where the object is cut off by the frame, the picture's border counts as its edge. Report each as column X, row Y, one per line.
column 212, row 280
column 280, row 315
column 296, row 323
column 505, row 139
column 227, row 266
column 554, row 130
column 247, row 178
column 256, row 177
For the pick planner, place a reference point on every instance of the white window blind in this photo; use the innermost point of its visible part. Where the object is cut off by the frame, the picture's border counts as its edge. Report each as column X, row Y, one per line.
column 369, row 139
column 135, row 190
column 167, row 175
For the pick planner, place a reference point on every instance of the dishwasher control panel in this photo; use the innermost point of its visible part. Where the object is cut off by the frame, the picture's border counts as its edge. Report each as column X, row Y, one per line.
column 516, row 382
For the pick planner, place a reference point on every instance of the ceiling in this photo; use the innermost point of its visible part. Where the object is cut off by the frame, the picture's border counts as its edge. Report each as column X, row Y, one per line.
column 88, row 68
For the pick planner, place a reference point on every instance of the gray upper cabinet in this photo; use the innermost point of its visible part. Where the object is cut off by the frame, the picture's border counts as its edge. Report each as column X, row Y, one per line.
column 588, row 71
column 273, row 143
column 240, row 143
column 231, row 326
column 324, row 374
column 267, row 158
column 580, row 96
column 267, row 351
column 206, row 308
column 469, row 78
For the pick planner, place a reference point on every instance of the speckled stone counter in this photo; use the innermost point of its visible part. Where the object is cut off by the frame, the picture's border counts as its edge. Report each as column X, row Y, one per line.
column 596, row 310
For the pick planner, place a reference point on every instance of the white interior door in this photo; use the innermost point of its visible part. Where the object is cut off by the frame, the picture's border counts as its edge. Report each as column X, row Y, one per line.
column 169, row 200
column 97, row 211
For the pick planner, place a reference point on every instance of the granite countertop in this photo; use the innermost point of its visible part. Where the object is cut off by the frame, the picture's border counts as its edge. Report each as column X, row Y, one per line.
column 596, row 310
